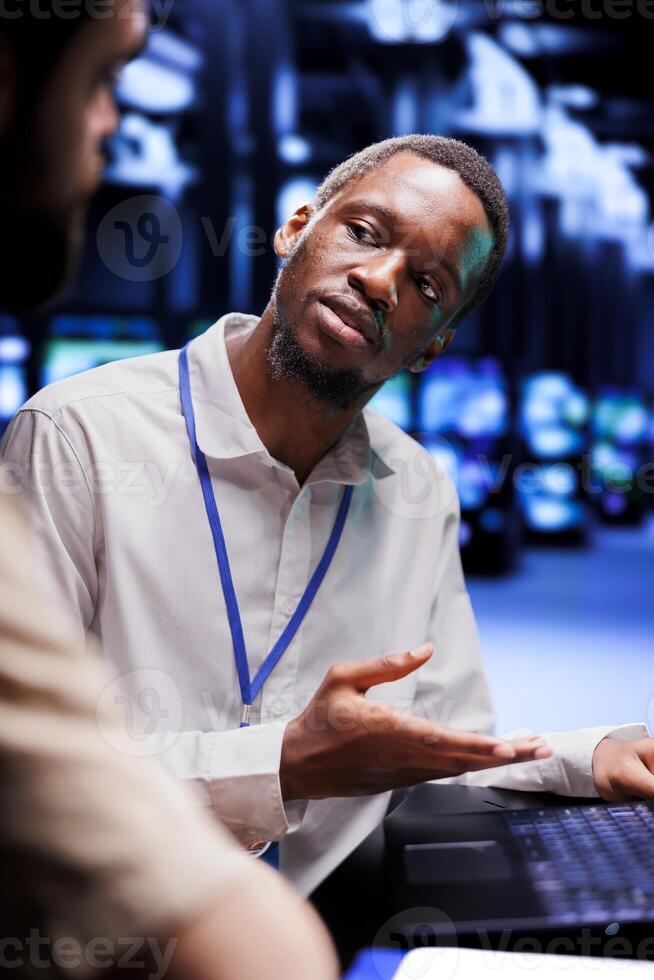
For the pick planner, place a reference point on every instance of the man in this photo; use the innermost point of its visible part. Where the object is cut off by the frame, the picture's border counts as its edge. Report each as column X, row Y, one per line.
column 289, row 525
column 97, row 846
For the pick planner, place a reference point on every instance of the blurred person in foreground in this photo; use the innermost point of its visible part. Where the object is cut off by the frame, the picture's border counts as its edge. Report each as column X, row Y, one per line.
column 96, row 845
column 309, row 535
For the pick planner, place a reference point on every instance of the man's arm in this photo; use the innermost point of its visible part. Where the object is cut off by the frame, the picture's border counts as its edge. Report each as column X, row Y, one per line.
column 256, row 779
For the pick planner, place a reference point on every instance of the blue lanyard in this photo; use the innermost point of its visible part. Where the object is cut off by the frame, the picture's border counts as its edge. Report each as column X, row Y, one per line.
column 250, row 687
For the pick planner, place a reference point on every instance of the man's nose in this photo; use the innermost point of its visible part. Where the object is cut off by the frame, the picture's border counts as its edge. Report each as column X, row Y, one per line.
column 378, row 280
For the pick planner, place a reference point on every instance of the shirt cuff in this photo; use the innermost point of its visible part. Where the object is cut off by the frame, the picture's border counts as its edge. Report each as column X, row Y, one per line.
column 295, row 811
column 569, row 771
column 244, row 783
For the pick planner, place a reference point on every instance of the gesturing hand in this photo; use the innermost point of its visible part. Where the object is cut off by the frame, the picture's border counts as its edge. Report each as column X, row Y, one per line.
column 346, row 745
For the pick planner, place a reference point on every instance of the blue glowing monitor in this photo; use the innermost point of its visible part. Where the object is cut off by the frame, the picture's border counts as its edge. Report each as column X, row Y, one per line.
column 64, row 357
column 14, row 352
column 553, row 416
column 466, row 399
column 79, row 343
column 621, row 418
column 553, row 515
column 394, row 401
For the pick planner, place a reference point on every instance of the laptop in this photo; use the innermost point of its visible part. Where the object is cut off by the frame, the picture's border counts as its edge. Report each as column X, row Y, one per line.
column 481, row 867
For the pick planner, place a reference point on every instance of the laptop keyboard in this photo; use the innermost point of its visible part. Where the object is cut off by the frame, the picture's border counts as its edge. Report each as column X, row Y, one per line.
column 587, row 863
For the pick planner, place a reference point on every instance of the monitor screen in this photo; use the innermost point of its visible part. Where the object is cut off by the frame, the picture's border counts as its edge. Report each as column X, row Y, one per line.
column 394, row 401
column 63, row 358
column 465, row 398
column 553, row 416
column 14, row 353
column 620, row 418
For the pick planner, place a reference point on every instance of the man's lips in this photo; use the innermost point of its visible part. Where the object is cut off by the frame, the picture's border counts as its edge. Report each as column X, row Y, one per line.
column 355, row 316
column 331, row 324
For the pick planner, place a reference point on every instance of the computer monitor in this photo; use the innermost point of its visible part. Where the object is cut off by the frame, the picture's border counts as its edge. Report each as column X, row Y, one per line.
column 620, row 431
column 466, row 398
column 80, row 343
column 394, row 400
column 553, row 417
column 14, row 354
column 620, row 418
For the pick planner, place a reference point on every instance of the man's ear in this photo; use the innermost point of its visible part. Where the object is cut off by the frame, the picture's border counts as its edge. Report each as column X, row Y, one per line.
column 7, row 84
column 287, row 235
column 438, row 346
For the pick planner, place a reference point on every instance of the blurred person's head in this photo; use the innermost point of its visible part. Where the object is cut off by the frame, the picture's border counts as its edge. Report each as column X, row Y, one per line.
column 403, row 240
column 57, row 109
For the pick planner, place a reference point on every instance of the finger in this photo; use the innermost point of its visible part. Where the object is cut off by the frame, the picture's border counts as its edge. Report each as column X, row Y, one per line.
column 633, row 781
column 516, row 750
column 470, row 762
column 442, row 739
column 364, row 674
column 534, row 747
column 645, row 750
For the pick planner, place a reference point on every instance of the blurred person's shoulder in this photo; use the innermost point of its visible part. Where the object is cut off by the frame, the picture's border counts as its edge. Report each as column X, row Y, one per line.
column 17, row 570
column 13, row 521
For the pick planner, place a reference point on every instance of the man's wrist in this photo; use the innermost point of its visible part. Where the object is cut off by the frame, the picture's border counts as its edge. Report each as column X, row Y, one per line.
column 287, row 766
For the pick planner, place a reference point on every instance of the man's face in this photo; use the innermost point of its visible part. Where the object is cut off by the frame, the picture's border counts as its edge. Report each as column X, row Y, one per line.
column 397, row 254
column 58, row 161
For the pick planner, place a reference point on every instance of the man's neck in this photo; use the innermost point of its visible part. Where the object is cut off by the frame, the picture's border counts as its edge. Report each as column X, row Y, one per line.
column 295, row 428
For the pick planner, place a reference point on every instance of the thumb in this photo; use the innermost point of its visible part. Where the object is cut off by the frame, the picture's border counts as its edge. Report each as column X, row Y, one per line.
column 366, row 673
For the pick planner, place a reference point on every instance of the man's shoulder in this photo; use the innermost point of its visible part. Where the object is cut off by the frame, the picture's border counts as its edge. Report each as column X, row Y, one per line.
column 150, row 375
column 400, row 453
column 383, row 433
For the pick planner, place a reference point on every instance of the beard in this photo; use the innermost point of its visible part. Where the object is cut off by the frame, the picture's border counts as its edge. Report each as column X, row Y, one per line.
column 337, row 388
column 38, row 257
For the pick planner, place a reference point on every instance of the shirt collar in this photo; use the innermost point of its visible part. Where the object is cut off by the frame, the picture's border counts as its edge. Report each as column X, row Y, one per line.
column 224, row 430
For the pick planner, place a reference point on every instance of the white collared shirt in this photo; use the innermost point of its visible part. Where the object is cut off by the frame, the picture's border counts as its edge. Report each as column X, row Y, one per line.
column 127, row 546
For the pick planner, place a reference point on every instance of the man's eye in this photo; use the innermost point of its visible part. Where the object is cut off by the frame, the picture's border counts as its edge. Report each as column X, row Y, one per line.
column 362, row 234
column 426, row 287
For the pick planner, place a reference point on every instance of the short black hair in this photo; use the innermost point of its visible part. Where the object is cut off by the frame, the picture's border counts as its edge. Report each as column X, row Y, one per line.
column 473, row 169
